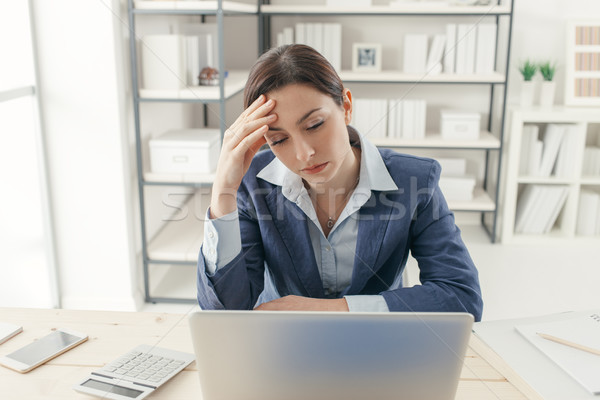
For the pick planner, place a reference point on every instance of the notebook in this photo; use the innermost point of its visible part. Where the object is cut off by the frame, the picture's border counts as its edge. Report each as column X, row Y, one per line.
column 253, row 355
column 584, row 367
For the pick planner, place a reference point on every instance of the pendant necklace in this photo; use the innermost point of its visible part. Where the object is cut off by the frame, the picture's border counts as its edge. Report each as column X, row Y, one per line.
column 330, row 219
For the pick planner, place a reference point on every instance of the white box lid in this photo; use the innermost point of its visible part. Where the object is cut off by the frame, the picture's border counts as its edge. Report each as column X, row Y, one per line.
column 187, row 138
column 460, row 115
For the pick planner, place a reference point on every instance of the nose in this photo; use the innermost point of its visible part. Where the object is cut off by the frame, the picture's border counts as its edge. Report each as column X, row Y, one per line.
column 304, row 150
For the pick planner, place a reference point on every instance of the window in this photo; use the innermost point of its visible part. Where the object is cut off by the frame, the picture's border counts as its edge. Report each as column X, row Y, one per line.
column 27, row 264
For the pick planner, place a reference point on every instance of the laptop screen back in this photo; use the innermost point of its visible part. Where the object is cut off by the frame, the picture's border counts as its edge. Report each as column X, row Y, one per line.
column 302, row 355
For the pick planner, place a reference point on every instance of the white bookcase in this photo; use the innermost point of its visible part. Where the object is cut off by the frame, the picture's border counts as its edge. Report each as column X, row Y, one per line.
column 392, row 82
column 588, row 119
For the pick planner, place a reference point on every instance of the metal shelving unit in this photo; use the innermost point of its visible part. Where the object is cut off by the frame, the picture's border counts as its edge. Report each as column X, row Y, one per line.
column 172, row 252
column 172, row 248
column 490, row 140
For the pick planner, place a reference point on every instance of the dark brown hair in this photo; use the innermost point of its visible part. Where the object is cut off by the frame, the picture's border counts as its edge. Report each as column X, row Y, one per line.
column 293, row 64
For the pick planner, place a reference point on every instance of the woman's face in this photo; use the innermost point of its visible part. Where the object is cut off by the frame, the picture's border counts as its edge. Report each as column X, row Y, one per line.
column 310, row 136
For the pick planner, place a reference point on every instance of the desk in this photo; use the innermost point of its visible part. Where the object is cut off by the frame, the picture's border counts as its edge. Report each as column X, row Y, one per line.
column 111, row 334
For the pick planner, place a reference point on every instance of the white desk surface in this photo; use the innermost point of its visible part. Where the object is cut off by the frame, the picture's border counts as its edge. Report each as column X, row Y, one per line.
column 539, row 371
column 112, row 334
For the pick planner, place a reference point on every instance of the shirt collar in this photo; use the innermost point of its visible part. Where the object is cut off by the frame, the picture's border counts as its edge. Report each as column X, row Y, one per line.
column 373, row 173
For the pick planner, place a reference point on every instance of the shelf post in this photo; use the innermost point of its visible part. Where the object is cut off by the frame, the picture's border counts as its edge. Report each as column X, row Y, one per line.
column 138, row 146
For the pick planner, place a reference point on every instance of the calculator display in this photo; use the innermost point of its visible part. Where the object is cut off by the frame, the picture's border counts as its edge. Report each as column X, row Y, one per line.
column 109, row 388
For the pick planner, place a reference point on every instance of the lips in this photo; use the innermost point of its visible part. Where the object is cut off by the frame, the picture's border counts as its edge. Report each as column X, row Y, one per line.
column 315, row 169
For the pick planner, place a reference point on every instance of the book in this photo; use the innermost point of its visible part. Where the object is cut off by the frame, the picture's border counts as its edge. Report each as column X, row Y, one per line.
column 486, row 45
column 533, row 167
column 163, row 62
column 528, row 138
column 192, row 55
column 552, row 140
column 462, row 31
column 584, row 367
column 471, row 41
column 288, row 35
column 420, row 119
column 450, row 52
column 434, row 59
column 556, row 208
column 408, row 111
column 527, row 202
column 300, row 31
column 336, row 39
column 589, row 203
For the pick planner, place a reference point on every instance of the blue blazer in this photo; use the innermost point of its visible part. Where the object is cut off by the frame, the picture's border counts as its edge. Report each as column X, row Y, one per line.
column 413, row 218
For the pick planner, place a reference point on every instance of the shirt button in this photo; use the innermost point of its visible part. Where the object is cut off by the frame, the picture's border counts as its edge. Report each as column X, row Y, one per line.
column 211, row 252
column 211, row 234
column 328, row 248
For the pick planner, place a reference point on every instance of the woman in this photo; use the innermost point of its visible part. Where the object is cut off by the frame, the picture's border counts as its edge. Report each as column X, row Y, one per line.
column 324, row 220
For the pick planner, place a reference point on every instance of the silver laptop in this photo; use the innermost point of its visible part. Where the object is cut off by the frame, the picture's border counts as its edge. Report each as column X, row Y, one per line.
column 247, row 355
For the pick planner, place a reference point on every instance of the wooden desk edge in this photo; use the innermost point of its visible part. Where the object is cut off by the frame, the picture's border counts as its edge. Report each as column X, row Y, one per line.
column 485, row 352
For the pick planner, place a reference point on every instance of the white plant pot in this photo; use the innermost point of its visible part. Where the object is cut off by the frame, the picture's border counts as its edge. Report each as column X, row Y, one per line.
column 547, row 91
column 527, row 92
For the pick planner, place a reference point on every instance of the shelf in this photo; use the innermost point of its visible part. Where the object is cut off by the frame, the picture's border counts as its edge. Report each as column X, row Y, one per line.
column 545, row 180
column 178, row 241
column 481, row 202
column 400, row 77
column 152, row 178
column 556, row 114
column 590, row 180
column 234, row 83
column 555, row 235
column 192, row 7
column 405, row 9
column 486, row 141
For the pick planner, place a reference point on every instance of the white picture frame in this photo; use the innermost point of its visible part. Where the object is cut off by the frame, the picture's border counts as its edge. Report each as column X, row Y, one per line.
column 582, row 74
column 366, row 57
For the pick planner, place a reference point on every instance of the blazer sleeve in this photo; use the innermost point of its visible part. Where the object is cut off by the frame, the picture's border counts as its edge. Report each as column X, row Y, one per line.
column 449, row 279
column 238, row 284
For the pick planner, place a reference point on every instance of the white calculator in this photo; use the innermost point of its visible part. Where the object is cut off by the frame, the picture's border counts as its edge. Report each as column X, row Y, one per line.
column 136, row 374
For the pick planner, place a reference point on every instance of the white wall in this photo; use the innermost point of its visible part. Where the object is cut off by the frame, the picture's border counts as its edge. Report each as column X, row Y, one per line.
column 84, row 114
column 87, row 120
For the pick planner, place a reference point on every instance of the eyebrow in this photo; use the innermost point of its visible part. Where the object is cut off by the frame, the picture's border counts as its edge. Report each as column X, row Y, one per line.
column 302, row 119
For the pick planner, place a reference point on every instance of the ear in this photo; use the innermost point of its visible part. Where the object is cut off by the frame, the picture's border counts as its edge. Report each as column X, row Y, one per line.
column 347, row 106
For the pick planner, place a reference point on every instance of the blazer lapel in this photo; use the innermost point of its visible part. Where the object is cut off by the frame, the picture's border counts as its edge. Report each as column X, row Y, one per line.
column 291, row 223
column 372, row 226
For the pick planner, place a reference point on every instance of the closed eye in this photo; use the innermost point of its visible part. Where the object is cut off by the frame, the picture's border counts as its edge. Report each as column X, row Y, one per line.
column 276, row 142
column 315, row 126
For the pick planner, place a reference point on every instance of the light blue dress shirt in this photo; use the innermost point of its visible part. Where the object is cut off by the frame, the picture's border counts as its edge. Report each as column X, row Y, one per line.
column 334, row 254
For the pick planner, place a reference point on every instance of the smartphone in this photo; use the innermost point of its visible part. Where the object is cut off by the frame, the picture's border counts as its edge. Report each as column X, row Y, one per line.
column 8, row 330
column 35, row 354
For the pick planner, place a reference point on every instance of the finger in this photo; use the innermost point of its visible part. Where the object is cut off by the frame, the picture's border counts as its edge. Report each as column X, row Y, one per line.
column 260, row 100
column 248, row 142
column 263, row 110
column 257, row 145
column 235, row 136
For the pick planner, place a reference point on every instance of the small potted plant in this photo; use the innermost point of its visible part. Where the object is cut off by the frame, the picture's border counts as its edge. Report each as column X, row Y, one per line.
column 548, row 88
column 528, row 70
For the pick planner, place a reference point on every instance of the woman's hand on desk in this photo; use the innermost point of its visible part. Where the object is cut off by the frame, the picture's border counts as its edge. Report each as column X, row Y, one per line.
column 240, row 143
column 299, row 303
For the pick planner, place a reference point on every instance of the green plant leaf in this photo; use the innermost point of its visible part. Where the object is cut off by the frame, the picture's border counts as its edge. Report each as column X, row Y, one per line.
column 528, row 69
column 547, row 70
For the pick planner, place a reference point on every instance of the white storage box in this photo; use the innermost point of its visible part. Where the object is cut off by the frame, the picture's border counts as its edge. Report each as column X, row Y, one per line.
column 460, row 125
column 187, row 151
column 455, row 188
